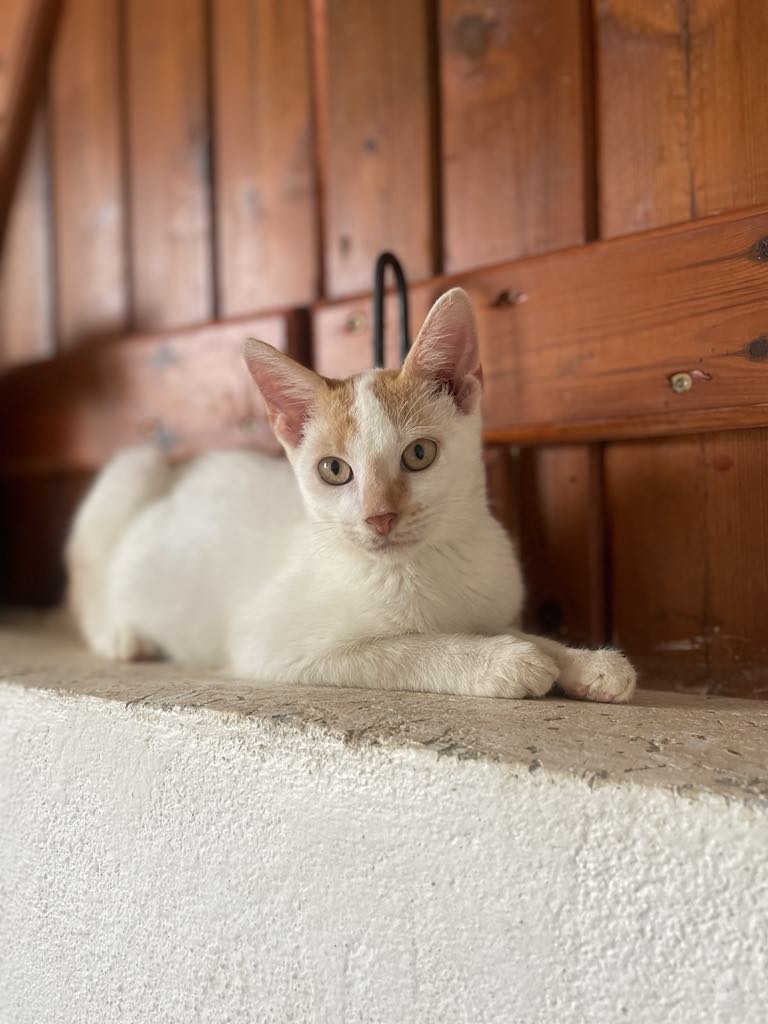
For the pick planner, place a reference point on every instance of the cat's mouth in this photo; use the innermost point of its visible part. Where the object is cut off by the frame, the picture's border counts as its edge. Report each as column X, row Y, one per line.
column 387, row 544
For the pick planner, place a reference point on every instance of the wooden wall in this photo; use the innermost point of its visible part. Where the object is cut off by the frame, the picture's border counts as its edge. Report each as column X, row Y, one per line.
column 204, row 159
column 683, row 117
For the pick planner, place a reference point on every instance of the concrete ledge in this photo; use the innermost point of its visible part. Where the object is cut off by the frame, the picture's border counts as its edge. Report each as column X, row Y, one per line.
column 178, row 848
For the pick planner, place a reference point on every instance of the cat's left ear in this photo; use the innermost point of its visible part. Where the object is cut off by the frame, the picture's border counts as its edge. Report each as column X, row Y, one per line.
column 289, row 389
column 446, row 350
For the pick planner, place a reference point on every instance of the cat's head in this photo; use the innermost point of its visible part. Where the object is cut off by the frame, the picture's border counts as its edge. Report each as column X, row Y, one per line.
column 387, row 459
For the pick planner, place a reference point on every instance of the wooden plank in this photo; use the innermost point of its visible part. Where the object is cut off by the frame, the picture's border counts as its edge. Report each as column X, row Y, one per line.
column 690, row 532
column 26, row 300
column 513, row 117
column 265, row 182
column 501, row 481
column 604, row 329
column 88, row 187
column 684, row 131
column 592, row 350
column 168, row 141
column 645, row 156
column 375, row 121
column 27, row 29
column 728, row 43
column 562, row 541
column 14, row 17
column 683, row 117
column 188, row 390
column 582, row 344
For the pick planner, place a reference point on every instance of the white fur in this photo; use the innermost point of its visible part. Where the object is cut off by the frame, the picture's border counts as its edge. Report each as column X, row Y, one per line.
column 229, row 563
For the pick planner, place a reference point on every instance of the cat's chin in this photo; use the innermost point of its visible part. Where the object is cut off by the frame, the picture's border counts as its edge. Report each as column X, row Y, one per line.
column 389, row 545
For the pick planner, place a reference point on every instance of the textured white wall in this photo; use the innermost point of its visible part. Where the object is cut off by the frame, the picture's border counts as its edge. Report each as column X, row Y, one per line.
column 160, row 866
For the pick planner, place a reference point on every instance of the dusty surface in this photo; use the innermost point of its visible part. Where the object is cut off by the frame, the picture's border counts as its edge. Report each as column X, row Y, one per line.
column 688, row 744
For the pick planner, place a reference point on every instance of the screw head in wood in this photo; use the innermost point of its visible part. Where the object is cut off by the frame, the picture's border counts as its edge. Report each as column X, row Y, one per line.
column 356, row 321
column 681, row 382
column 508, row 297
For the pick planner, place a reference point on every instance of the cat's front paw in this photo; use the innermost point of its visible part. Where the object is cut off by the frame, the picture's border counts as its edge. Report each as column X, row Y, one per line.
column 125, row 644
column 518, row 669
column 604, row 675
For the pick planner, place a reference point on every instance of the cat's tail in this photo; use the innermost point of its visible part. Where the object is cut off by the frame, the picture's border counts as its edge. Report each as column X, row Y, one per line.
column 128, row 484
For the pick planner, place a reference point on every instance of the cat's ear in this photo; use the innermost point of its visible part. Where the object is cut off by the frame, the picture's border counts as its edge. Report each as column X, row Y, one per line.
column 446, row 351
column 289, row 389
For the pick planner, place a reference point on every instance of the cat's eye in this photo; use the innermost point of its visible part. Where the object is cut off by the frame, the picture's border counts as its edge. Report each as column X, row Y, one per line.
column 419, row 454
column 334, row 471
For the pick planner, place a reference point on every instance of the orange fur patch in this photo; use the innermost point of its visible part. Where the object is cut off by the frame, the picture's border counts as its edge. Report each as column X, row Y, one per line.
column 403, row 398
column 334, row 408
column 385, row 492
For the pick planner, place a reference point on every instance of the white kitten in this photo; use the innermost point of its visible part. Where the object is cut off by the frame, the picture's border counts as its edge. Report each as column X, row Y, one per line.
column 368, row 559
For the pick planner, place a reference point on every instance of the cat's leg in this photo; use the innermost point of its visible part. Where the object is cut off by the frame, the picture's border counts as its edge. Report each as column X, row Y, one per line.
column 497, row 666
column 127, row 485
column 601, row 675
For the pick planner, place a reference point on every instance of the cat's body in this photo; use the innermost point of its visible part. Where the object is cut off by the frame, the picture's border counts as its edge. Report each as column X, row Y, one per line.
column 397, row 576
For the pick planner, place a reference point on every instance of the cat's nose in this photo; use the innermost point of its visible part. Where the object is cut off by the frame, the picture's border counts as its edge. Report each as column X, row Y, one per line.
column 383, row 523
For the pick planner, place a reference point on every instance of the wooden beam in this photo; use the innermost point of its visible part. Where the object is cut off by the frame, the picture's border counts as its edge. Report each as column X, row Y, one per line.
column 27, row 29
column 584, row 344
column 585, row 351
column 188, row 390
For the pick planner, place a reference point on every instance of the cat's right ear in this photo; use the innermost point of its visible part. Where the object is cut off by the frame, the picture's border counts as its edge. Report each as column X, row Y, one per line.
column 288, row 388
column 446, row 351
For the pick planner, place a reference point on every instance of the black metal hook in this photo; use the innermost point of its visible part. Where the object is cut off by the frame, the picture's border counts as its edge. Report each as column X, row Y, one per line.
column 388, row 259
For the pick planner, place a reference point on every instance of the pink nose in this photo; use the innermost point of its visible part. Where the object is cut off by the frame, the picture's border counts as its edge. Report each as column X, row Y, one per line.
column 383, row 523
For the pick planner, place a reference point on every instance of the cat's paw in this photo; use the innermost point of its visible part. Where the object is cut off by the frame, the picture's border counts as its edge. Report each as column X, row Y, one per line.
column 604, row 675
column 517, row 669
column 125, row 644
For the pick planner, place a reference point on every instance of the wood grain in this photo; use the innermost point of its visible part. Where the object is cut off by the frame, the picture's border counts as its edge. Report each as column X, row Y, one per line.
column 689, row 536
column 87, row 172
column 562, row 541
column 683, row 116
column 513, row 147
column 168, row 138
column 501, row 479
column 375, row 131
column 729, row 122
column 604, row 328
column 188, row 390
column 27, row 29
column 26, row 299
column 14, row 21
column 265, row 182
column 645, row 145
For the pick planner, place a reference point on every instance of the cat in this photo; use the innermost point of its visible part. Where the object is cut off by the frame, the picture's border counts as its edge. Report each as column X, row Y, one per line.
column 368, row 558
